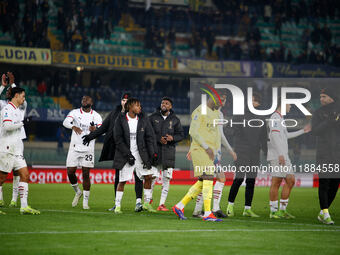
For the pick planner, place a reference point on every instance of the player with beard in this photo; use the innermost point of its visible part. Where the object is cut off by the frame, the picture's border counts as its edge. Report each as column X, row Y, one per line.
column 169, row 132
column 326, row 127
column 82, row 121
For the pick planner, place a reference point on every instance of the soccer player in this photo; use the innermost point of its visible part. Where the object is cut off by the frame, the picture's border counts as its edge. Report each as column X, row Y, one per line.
column 8, row 79
column 206, row 140
column 248, row 143
column 11, row 146
column 220, row 177
column 81, row 121
column 279, row 160
column 326, row 126
column 135, row 141
column 109, row 148
column 168, row 131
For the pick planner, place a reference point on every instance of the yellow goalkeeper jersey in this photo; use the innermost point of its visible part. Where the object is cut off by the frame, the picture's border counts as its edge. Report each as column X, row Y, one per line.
column 203, row 131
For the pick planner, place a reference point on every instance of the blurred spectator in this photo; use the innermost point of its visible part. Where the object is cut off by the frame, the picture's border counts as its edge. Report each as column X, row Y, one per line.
column 42, row 88
column 326, row 35
column 315, row 35
column 278, row 25
column 267, row 13
column 61, row 138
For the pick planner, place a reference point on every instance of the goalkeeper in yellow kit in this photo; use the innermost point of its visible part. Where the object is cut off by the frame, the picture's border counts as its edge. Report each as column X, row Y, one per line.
column 206, row 140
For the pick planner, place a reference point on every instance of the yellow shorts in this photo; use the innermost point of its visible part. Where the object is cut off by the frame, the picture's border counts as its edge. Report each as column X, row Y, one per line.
column 203, row 165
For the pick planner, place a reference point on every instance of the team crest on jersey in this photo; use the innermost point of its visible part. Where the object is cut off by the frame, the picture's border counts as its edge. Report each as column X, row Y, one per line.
column 195, row 117
column 6, row 114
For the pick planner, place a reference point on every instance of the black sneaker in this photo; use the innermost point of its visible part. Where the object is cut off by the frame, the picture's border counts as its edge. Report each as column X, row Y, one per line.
column 139, row 207
column 219, row 214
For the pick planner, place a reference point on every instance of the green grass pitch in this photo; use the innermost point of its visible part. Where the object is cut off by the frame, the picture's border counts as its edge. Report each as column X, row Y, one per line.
column 61, row 229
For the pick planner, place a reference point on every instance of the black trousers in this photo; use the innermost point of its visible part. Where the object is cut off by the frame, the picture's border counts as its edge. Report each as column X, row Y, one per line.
column 247, row 160
column 328, row 187
column 138, row 184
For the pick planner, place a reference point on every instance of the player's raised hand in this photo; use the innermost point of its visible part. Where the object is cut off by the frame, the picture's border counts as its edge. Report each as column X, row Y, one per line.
column 10, row 77
column 3, row 80
column 189, row 156
column 92, row 126
column 77, row 130
column 210, row 153
column 282, row 161
column 86, row 140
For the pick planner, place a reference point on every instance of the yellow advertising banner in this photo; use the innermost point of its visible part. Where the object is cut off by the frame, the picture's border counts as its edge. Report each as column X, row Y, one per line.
column 111, row 61
column 23, row 55
column 215, row 68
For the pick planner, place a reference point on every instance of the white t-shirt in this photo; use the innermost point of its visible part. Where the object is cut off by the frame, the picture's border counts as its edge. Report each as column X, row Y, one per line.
column 278, row 137
column 82, row 120
column 22, row 108
column 10, row 135
column 133, row 122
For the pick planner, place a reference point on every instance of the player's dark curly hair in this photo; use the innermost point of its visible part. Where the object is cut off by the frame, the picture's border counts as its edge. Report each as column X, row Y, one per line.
column 13, row 91
column 130, row 102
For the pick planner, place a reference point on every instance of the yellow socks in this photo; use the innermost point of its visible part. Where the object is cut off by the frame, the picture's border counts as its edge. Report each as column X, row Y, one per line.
column 207, row 195
column 192, row 193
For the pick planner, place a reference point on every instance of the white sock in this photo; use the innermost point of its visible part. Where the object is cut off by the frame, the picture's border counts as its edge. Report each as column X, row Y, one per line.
column 138, row 200
column 16, row 180
column 283, row 204
column 147, row 195
column 86, row 196
column 246, row 207
column 1, row 196
column 153, row 182
column 180, row 205
column 165, row 190
column 231, row 203
column 23, row 191
column 76, row 188
column 217, row 195
column 119, row 196
column 274, row 205
column 199, row 203
column 207, row 213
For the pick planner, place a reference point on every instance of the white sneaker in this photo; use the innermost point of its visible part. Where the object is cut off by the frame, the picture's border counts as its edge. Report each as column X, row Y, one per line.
column 86, row 207
column 76, row 198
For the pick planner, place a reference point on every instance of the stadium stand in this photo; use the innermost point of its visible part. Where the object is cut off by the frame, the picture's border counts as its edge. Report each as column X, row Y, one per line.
column 247, row 30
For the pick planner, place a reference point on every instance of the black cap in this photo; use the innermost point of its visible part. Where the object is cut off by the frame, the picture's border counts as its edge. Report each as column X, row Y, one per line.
column 329, row 92
column 126, row 95
column 168, row 99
